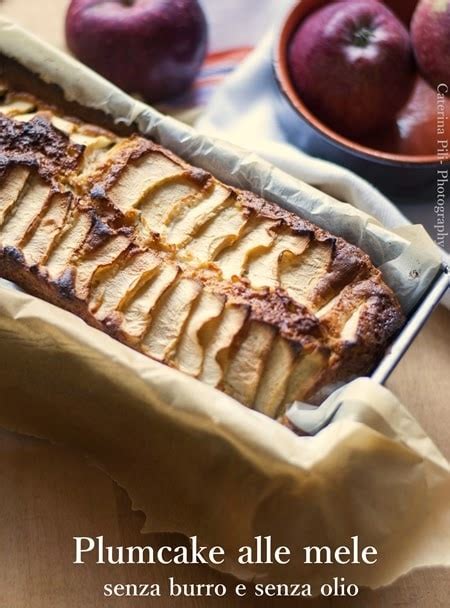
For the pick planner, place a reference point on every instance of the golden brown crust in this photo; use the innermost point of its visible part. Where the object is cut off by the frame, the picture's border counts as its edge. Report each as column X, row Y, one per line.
column 37, row 145
column 272, row 307
column 151, row 249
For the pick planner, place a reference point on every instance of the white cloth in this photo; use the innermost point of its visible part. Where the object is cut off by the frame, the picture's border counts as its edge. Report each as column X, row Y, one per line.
column 243, row 111
column 234, row 23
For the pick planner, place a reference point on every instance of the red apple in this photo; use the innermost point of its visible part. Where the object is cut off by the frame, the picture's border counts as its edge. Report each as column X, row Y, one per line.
column 430, row 32
column 151, row 47
column 352, row 65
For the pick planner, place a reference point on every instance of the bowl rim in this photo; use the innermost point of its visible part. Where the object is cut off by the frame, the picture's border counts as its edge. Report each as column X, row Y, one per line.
column 283, row 78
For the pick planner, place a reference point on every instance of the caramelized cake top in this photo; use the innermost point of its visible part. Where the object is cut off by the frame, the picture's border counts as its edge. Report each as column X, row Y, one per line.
column 209, row 279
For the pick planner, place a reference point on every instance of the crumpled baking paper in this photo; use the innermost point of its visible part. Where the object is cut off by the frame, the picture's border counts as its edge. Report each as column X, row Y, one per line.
column 194, row 460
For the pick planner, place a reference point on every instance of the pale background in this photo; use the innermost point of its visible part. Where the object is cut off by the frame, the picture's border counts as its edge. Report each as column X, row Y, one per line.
column 49, row 494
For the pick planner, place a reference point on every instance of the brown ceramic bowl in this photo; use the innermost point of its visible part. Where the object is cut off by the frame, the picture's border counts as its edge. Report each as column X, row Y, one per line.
column 405, row 154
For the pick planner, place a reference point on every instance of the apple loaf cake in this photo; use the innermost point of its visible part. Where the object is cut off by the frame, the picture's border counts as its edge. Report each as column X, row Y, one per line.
column 208, row 279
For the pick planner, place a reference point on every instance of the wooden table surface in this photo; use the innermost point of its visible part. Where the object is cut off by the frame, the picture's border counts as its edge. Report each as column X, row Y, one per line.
column 50, row 494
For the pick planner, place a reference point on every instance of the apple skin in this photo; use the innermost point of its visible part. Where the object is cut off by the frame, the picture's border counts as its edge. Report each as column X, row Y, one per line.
column 352, row 65
column 430, row 33
column 153, row 48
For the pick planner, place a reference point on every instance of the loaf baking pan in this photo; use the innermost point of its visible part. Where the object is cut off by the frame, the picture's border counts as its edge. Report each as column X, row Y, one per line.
column 416, row 320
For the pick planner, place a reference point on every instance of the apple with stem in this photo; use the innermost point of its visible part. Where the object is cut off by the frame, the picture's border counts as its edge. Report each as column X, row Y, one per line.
column 352, row 64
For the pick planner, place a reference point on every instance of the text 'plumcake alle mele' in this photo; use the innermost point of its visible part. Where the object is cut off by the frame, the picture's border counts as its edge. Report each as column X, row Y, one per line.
column 211, row 280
